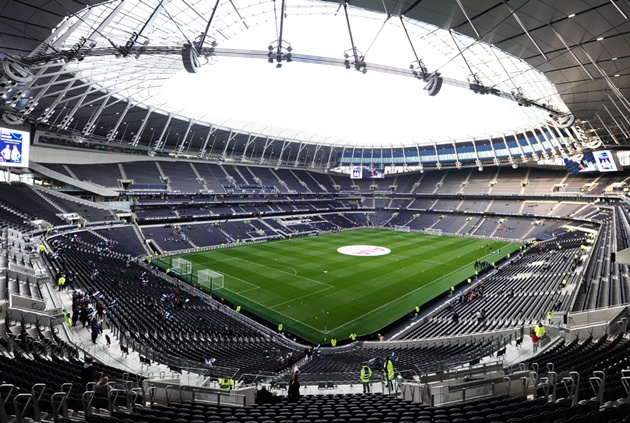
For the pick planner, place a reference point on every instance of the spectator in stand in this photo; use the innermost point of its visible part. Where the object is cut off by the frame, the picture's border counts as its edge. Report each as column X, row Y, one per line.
column 102, row 386
column 84, row 315
column 87, row 372
column 96, row 329
column 294, row 389
column 264, row 396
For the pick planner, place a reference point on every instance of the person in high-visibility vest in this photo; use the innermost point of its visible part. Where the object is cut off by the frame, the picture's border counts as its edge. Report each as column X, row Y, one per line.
column 333, row 342
column 366, row 375
column 67, row 318
column 226, row 383
column 280, row 327
column 539, row 332
column 238, row 308
column 61, row 282
column 353, row 336
column 389, row 373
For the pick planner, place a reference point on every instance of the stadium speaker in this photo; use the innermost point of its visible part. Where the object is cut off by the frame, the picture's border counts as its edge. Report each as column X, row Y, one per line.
column 613, row 257
column 564, row 121
column 565, row 318
column 190, row 58
column 434, row 84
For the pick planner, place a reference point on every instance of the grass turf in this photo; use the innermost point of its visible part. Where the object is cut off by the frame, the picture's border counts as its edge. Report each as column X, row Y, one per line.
column 319, row 294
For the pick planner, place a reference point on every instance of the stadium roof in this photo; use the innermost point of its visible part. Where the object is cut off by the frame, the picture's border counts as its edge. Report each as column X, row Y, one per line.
column 83, row 82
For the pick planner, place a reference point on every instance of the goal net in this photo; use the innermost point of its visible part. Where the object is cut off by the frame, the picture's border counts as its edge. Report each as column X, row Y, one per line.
column 181, row 267
column 433, row 231
column 398, row 228
column 210, row 279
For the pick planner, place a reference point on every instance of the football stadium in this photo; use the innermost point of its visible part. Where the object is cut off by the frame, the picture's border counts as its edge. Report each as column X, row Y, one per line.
column 311, row 211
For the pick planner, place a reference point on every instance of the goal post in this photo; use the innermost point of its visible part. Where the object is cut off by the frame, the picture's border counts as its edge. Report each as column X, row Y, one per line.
column 433, row 231
column 210, row 279
column 181, row 267
column 398, row 228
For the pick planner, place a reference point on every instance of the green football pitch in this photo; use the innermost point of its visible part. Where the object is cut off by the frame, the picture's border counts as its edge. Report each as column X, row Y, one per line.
column 319, row 293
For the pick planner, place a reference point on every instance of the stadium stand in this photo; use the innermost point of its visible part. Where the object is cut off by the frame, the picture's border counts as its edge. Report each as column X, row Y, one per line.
column 466, row 355
column 530, row 284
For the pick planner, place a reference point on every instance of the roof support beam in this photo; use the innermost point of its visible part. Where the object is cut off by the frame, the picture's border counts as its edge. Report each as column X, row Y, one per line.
column 100, row 30
column 618, row 109
column 533, row 153
column 268, row 142
column 461, row 6
column 550, row 136
column 297, row 156
column 204, row 146
column 111, row 134
column 88, row 129
column 495, row 160
column 55, row 40
column 136, row 138
column 285, row 143
column 619, row 10
column 518, row 20
column 318, row 147
column 250, row 139
column 227, row 143
column 520, row 148
column 509, row 153
column 332, row 149
column 180, row 147
column 612, row 136
column 625, row 134
column 578, row 61
column 478, row 162
column 543, row 149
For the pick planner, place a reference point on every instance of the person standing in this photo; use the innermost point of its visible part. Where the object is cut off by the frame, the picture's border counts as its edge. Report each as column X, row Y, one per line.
column 61, row 282
column 294, row 389
column 96, row 329
column 540, row 330
column 226, row 383
column 87, row 372
column 366, row 375
column 389, row 373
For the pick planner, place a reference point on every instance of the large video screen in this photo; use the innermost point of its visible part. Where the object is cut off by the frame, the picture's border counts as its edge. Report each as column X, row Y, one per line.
column 606, row 161
column 596, row 161
column 14, row 147
column 362, row 172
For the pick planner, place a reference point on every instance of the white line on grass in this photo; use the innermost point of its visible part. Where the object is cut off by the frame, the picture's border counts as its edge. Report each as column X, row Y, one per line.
column 395, row 299
column 242, row 280
column 247, row 290
column 300, row 322
column 287, row 273
column 299, row 298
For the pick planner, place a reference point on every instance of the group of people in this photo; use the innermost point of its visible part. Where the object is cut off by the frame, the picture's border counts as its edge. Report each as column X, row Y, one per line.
column 90, row 310
column 389, row 373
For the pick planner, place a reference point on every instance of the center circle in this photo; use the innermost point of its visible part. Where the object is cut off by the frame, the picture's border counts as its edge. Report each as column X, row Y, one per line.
column 363, row 250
